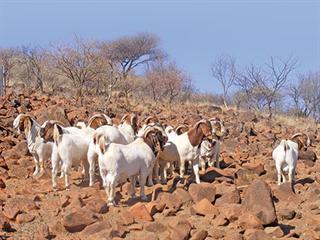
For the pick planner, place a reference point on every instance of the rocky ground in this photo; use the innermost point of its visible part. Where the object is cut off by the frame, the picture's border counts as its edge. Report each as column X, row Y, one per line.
column 239, row 201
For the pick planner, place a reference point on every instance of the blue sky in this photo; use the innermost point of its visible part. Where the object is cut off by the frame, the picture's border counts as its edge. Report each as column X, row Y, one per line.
column 192, row 32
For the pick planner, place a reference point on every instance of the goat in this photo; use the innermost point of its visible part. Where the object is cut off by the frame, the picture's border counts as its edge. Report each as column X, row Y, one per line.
column 123, row 134
column 118, row 162
column 286, row 155
column 210, row 151
column 183, row 148
column 40, row 150
column 70, row 147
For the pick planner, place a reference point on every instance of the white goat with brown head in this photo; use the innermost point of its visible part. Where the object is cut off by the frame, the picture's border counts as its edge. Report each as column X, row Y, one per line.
column 118, row 162
column 185, row 147
column 40, row 150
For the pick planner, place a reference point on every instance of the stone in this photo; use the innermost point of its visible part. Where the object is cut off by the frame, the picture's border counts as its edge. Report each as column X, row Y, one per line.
column 140, row 212
column 250, row 221
column 258, row 200
column 180, row 229
column 78, row 219
column 204, row 207
column 231, row 211
column 256, row 234
column 126, row 217
column 155, row 207
column 199, row 235
column 24, row 218
column 202, row 190
column 155, row 227
column 274, row 231
column 96, row 227
column 286, row 214
column 18, row 204
column 171, row 201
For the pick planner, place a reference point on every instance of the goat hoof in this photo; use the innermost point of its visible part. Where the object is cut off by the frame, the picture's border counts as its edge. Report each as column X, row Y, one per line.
column 133, row 196
column 111, row 203
column 55, row 189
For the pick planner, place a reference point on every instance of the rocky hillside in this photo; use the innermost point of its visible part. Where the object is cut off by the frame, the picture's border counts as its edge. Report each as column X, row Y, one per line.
column 240, row 201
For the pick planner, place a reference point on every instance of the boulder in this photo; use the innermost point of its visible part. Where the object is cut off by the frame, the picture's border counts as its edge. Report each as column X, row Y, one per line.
column 258, row 200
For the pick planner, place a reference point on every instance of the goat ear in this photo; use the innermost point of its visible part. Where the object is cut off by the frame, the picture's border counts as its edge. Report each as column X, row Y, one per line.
column 27, row 123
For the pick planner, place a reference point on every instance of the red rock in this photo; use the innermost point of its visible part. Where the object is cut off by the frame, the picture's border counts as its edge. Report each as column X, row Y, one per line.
column 24, row 218
column 230, row 197
column 184, row 196
column 286, row 213
column 78, row 219
column 155, row 227
column 172, row 202
column 274, row 231
column 18, row 204
column 204, row 207
column 250, row 221
column 231, row 211
column 96, row 228
column 256, row 234
column 139, row 211
column 199, row 235
column 42, row 232
column 202, row 190
column 97, row 205
column 127, row 218
column 180, row 229
column 155, row 207
column 284, row 192
column 258, row 200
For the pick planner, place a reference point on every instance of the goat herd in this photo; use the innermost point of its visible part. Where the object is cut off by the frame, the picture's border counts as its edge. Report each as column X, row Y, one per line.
column 128, row 151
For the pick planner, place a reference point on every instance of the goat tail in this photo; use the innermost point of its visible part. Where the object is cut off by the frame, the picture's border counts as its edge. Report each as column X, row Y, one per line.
column 101, row 142
column 284, row 144
column 57, row 132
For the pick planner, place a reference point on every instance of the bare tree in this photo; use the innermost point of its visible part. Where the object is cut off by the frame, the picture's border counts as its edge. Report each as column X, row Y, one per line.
column 8, row 58
column 165, row 81
column 34, row 59
column 79, row 63
column 224, row 70
column 263, row 86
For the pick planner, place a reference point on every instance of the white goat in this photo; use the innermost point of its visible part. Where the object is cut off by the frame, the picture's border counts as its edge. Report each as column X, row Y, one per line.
column 210, row 151
column 123, row 134
column 70, row 147
column 40, row 150
column 286, row 153
column 119, row 162
column 285, row 156
column 183, row 148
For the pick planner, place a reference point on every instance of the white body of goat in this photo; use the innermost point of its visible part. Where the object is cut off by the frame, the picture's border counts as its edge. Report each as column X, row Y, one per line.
column 285, row 156
column 70, row 147
column 121, row 135
column 179, row 149
column 120, row 162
